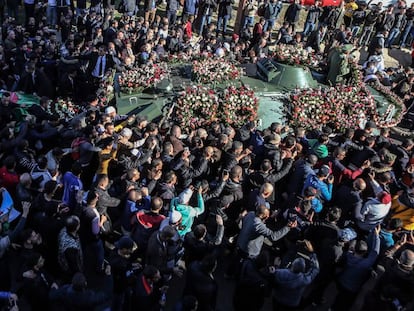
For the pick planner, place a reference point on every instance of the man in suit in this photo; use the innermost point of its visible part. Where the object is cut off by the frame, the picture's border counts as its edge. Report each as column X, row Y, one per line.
column 111, row 33
column 34, row 81
column 99, row 63
column 71, row 85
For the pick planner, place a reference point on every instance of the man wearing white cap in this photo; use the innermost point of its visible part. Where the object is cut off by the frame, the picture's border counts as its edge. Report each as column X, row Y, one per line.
column 181, row 204
column 110, row 111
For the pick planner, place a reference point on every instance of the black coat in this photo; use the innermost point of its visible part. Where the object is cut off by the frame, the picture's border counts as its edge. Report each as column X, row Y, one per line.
column 225, row 8
column 292, row 13
column 40, row 84
column 144, row 300
column 202, row 286
column 251, row 288
column 69, row 299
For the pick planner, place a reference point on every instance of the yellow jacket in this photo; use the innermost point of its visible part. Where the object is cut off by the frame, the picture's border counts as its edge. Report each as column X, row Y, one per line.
column 350, row 8
column 403, row 212
column 105, row 157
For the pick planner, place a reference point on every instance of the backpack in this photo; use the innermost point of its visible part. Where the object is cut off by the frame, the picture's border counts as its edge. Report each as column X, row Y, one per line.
column 75, row 146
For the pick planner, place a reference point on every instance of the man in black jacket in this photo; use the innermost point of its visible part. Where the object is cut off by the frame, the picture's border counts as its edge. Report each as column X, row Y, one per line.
column 77, row 297
column 324, row 237
column 123, row 271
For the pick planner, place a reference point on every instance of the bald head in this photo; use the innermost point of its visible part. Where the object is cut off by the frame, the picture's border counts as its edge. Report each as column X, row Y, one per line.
column 202, row 133
column 236, row 172
column 407, row 258
column 359, row 184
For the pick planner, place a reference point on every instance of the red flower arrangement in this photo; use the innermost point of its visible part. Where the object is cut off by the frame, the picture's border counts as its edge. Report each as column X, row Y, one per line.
column 344, row 106
column 140, row 78
column 239, row 105
column 341, row 107
column 196, row 106
column 215, row 70
column 199, row 105
column 296, row 56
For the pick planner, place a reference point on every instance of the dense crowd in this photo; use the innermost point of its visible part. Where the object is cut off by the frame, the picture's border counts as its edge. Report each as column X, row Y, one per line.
column 104, row 211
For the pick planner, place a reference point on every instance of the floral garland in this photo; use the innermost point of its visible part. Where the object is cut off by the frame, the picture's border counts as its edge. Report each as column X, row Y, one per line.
column 341, row 107
column 215, row 70
column 396, row 105
column 140, row 78
column 199, row 105
column 64, row 108
column 196, row 106
column 105, row 91
column 239, row 105
column 179, row 58
column 344, row 106
column 296, row 56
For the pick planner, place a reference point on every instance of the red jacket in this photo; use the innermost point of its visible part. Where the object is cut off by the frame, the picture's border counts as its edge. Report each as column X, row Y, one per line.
column 188, row 29
column 8, row 180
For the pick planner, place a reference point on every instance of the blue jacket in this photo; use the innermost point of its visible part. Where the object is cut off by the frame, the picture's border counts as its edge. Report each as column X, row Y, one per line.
column 4, row 295
column 272, row 10
column 188, row 213
column 190, row 6
column 324, row 189
column 289, row 286
column 131, row 208
column 357, row 268
column 253, row 232
column 71, row 185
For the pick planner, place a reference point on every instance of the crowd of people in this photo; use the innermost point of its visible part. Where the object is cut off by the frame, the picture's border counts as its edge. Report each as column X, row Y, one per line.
column 104, row 211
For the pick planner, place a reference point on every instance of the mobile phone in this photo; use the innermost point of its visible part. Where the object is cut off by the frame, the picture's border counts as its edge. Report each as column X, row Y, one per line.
column 225, row 172
column 186, row 149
